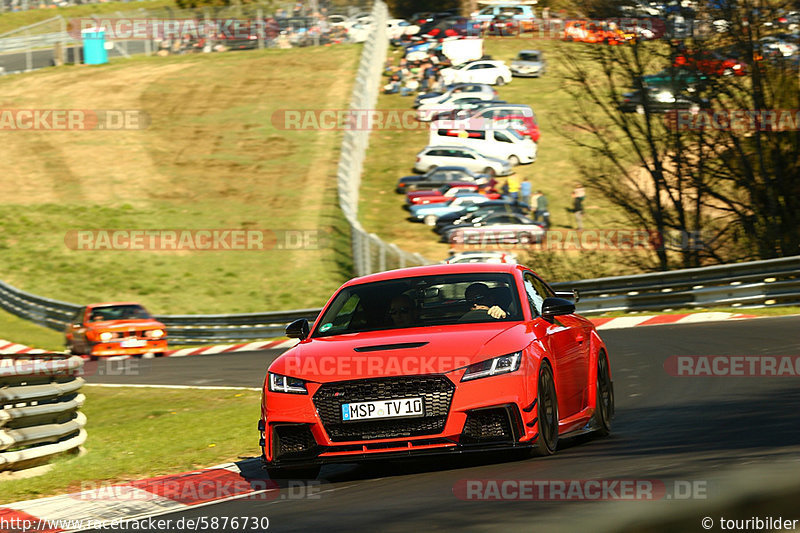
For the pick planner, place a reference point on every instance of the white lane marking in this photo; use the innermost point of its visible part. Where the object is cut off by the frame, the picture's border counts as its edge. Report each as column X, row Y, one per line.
column 144, row 386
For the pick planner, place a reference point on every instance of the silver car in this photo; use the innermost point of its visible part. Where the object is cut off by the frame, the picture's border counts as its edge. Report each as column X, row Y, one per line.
column 529, row 64
column 445, row 156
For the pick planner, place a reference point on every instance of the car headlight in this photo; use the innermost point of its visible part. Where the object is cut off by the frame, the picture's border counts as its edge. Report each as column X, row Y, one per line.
column 107, row 336
column 278, row 383
column 492, row 367
column 155, row 333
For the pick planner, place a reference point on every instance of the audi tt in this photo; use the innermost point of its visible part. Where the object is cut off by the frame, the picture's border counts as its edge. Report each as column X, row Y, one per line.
column 434, row 360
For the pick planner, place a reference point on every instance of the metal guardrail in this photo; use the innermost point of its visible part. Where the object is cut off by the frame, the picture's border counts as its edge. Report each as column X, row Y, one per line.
column 772, row 282
column 39, row 402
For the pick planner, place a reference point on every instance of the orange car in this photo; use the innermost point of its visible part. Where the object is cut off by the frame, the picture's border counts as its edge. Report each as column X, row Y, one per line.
column 115, row 328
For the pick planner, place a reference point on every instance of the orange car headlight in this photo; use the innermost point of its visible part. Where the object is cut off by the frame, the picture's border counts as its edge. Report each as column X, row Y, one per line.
column 106, row 336
column 155, row 333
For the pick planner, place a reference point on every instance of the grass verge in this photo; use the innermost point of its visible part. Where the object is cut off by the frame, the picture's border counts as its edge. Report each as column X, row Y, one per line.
column 206, row 427
column 210, row 158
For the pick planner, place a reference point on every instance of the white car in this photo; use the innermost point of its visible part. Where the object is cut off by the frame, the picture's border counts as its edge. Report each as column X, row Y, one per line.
column 482, row 256
column 430, row 106
column 462, row 156
column 461, row 88
column 490, row 72
column 396, row 28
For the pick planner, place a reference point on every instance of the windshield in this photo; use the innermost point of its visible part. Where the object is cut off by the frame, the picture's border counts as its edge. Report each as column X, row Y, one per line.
column 419, row 302
column 528, row 57
column 118, row 312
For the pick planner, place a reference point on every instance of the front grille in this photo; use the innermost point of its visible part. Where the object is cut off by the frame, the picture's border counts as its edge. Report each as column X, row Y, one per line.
column 436, row 392
column 487, row 425
column 293, row 441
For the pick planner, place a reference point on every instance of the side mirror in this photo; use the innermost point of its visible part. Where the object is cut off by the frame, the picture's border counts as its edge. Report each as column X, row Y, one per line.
column 553, row 307
column 299, row 329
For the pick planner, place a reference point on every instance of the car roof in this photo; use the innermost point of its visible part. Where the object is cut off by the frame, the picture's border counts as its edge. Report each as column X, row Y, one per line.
column 110, row 304
column 433, row 270
column 530, row 51
column 449, row 147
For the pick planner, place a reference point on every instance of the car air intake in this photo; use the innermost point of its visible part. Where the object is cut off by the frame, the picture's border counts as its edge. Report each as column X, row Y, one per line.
column 290, row 441
column 497, row 424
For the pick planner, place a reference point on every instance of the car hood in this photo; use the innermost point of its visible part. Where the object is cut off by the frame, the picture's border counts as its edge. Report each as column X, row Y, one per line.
column 427, row 350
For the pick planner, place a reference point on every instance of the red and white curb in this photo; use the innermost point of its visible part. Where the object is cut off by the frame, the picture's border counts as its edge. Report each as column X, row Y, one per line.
column 103, row 504
column 657, row 320
column 14, row 348
column 7, row 347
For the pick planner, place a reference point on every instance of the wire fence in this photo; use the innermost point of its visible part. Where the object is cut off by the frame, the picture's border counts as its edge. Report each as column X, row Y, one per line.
column 370, row 253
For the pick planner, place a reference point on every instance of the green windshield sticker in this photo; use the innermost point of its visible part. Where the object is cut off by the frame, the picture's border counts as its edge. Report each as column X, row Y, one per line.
column 325, row 327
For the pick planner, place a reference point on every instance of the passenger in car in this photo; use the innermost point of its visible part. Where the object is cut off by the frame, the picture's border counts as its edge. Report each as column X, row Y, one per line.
column 402, row 312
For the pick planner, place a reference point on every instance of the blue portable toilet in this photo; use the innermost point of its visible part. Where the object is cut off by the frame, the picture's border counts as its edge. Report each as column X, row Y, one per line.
column 94, row 46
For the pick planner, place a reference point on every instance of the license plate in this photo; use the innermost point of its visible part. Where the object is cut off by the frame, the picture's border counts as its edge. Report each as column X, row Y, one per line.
column 407, row 407
column 133, row 343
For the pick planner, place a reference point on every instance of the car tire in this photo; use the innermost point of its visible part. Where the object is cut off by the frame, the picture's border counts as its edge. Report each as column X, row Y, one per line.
column 297, row 472
column 429, row 220
column 604, row 408
column 546, row 412
column 499, row 81
column 514, row 160
column 489, row 171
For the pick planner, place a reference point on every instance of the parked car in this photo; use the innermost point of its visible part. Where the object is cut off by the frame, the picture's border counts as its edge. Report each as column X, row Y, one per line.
column 507, row 144
column 492, row 206
column 513, row 368
column 487, row 71
column 431, row 212
column 438, row 177
column 444, row 194
column 397, row 28
column 487, row 92
column 433, row 106
column 115, row 328
column 660, row 101
column 519, row 234
column 502, row 115
column 482, row 256
column 673, row 78
column 498, row 218
column 711, row 62
column 522, row 14
column 529, row 64
column 449, row 155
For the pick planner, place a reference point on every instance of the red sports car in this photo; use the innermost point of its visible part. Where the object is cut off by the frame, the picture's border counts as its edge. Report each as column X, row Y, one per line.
column 434, row 359
column 115, row 328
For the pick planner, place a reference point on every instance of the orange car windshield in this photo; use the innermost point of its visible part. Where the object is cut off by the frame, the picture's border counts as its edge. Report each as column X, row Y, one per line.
column 118, row 312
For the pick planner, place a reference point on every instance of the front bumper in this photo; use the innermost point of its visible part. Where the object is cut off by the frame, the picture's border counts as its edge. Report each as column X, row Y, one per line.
column 475, row 415
column 106, row 349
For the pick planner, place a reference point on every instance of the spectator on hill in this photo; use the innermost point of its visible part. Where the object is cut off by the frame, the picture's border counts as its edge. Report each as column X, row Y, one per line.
column 525, row 191
column 578, row 196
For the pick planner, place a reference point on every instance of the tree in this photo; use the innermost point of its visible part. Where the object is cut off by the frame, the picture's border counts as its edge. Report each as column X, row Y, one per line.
column 681, row 175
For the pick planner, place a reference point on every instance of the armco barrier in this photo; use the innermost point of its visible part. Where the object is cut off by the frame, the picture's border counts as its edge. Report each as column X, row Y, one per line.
column 772, row 282
column 39, row 402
